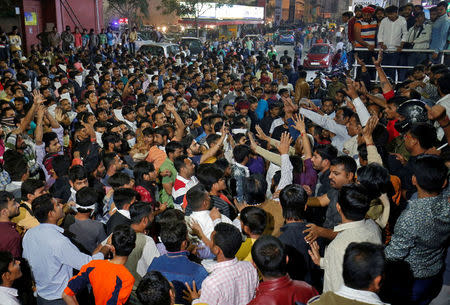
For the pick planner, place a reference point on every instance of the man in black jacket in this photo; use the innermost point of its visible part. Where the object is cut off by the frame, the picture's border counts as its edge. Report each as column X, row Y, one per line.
column 123, row 199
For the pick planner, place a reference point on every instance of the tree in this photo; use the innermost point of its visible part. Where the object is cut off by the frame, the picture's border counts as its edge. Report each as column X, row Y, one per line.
column 131, row 9
column 194, row 8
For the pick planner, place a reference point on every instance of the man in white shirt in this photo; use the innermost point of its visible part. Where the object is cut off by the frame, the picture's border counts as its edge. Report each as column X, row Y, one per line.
column 337, row 125
column 352, row 205
column 359, row 287
column 185, row 179
column 199, row 202
column 392, row 34
column 10, row 271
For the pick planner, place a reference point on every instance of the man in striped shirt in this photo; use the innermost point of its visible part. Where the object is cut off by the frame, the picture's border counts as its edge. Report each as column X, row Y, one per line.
column 365, row 36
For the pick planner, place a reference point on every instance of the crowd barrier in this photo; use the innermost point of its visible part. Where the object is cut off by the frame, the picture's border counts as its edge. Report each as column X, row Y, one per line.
column 355, row 64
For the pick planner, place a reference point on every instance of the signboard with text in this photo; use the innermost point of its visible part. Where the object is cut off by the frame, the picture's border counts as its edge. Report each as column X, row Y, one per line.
column 226, row 12
column 365, row 3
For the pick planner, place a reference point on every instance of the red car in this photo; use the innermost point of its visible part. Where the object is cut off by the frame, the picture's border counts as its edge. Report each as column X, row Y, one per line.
column 319, row 56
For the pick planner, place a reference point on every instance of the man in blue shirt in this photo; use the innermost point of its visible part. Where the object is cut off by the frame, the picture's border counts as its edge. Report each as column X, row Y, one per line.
column 175, row 265
column 439, row 31
column 51, row 255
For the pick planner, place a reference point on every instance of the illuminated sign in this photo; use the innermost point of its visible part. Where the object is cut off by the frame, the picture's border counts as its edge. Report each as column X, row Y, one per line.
column 123, row 21
column 224, row 12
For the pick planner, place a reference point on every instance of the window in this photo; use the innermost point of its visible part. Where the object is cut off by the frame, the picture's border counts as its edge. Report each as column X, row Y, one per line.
column 318, row 50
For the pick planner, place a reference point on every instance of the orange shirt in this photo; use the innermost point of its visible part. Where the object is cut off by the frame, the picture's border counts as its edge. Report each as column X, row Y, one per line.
column 156, row 156
column 111, row 283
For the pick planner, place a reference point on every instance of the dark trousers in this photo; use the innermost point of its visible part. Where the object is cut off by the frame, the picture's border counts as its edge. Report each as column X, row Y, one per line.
column 132, row 47
column 366, row 57
column 391, row 59
column 425, row 290
column 42, row 301
column 415, row 59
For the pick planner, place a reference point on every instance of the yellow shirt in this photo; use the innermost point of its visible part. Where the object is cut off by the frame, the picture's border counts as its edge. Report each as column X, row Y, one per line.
column 25, row 220
column 245, row 251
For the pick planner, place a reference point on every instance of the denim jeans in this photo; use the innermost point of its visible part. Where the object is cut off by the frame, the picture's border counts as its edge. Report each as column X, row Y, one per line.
column 425, row 290
column 42, row 301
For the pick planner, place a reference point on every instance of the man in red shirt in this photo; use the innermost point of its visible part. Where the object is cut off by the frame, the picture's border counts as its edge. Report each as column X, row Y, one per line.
column 352, row 21
column 351, row 31
column 277, row 287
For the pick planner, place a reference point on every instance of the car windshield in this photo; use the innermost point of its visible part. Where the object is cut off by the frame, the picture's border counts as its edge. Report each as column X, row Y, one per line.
column 192, row 43
column 286, row 33
column 319, row 50
column 173, row 49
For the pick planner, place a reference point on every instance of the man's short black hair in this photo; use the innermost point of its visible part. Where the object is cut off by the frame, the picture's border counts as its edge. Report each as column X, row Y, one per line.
column 110, row 138
column 4, row 198
column 269, row 256
column 375, row 178
column 124, row 196
column 397, row 100
column 48, row 137
column 123, row 240
column 139, row 210
column 430, row 172
column 172, row 236
column 293, row 200
column 228, row 238
column 209, row 174
column 195, row 197
column 5, row 259
column 61, row 165
column 77, row 172
column 85, row 197
column 255, row 188
column 41, row 206
column 443, row 4
column 302, row 74
column 240, row 152
column 118, row 180
column 424, row 133
column 391, row 9
column 154, row 289
column 15, row 164
column 348, row 162
column 30, row 186
column 354, row 201
column 363, row 262
column 326, row 151
column 255, row 219
column 178, row 162
column 172, row 146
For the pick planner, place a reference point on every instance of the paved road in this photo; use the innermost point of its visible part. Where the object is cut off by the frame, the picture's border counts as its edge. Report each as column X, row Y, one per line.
column 311, row 74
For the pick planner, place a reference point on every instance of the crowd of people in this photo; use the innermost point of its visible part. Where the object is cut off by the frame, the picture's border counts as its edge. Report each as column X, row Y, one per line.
column 227, row 179
column 395, row 29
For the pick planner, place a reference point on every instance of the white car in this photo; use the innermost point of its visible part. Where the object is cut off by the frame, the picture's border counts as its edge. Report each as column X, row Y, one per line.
column 160, row 48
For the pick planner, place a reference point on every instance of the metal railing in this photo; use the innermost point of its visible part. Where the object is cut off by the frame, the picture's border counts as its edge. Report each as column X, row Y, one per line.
column 355, row 64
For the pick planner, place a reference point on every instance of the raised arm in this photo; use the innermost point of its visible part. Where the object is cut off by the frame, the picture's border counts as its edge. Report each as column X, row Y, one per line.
column 38, row 99
column 300, row 126
column 39, row 131
column 384, row 82
column 179, row 133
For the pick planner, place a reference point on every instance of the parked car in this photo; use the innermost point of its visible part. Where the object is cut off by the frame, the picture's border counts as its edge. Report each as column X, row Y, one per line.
column 319, row 56
column 160, row 48
column 194, row 44
column 286, row 37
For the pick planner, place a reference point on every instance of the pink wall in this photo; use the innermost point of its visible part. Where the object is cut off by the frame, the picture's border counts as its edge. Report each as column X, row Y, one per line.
column 52, row 11
column 86, row 12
